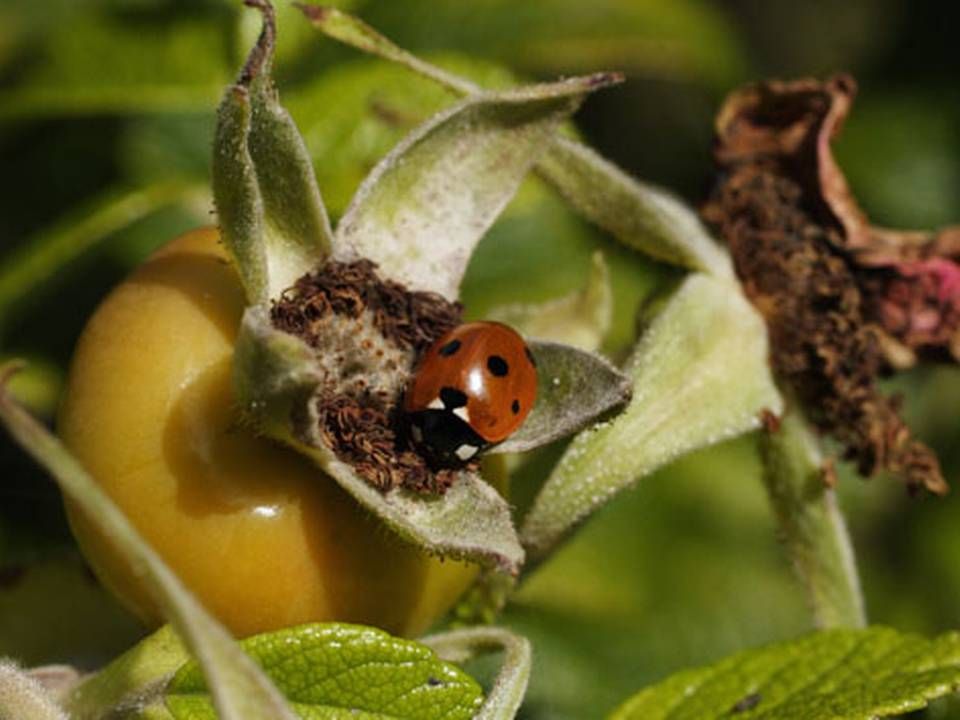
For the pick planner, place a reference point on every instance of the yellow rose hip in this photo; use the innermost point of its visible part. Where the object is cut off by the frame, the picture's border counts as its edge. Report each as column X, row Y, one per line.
column 262, row 537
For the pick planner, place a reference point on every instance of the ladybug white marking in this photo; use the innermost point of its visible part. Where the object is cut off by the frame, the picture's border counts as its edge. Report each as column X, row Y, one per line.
column 461, row 412
column 465, row 452
column 436, row 404
column 475, row 382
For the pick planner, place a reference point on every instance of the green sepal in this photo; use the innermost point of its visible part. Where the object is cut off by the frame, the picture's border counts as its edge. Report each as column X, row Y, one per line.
column 640, row 215
column 273, row 373
column 423, row 209
column 581, row 319
column 470, row 521
column 574, row 389
column 700, row 375
column 272, row 218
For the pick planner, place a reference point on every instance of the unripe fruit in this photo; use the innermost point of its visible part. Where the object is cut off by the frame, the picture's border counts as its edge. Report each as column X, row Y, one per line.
column 259, row 534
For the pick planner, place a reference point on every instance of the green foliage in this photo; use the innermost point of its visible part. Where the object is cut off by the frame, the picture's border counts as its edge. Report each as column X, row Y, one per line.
column 43, row 255
column 811, row 524
column 451, row 178
column 52, row 610
column 353, row 114
column 472, row 522
column 841, row 674
column 581, row 319
column 330, row 671
column 126, row 681
column 103, row 60
column 608, row 600
column 240, row 690
column 684, row 398
column 914, row 182
column 691, row 40
column 566, row 372
column 639, row 215
column 510, row 685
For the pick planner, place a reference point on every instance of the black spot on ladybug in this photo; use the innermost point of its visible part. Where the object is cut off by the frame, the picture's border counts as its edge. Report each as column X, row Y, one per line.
column 515, row 407
column 497, row 365
column 452, row 398
column 530, row 357
column 450, row 348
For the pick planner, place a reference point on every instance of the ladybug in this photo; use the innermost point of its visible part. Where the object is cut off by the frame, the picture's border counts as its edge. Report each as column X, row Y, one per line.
column 472, row 389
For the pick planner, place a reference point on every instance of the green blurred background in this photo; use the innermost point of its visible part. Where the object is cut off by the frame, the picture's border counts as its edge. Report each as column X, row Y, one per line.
column 105, row 126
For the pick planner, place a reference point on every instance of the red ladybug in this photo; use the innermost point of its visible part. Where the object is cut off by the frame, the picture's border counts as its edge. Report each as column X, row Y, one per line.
column 473, row 388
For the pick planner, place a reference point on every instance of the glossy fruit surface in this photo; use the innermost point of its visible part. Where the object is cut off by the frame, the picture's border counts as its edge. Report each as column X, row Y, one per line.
column 259, row 534
column 481, row 375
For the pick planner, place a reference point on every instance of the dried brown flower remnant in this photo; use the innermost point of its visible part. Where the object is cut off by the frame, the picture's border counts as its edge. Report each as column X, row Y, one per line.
column 368, row 333
column 918, row 304
column 408, row 319
column 814, row 267
column 366, row 437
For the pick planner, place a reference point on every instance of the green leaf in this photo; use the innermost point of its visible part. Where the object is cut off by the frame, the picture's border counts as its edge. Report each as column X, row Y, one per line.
column 641, row 216
column 700, row 375
column 574, row 388
column 275, row 379
column 24, row 698
column 240, row 689
column 272, row 218
column 134, row 677
column 580, row 319
column 328, row 671
column 813, row 531
column 837, row 674
column 450, row 179
column 505, row 697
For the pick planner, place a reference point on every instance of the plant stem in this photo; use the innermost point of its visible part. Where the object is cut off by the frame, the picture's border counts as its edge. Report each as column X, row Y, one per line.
column 506, row 695
column 810, row 523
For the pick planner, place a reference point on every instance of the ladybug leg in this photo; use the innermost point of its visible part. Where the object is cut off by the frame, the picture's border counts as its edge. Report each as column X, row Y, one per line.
column 443, row 438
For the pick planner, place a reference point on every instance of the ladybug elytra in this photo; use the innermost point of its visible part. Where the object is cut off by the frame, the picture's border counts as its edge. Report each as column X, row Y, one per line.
column 472, row 389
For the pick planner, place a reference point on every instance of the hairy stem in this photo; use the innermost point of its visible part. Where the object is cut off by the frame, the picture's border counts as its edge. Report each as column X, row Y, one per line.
column 811, row 525
column 506, row 695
